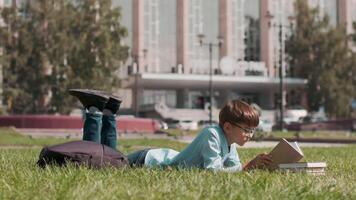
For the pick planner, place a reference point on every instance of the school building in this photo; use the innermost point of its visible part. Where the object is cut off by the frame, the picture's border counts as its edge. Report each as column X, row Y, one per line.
column 243, row 44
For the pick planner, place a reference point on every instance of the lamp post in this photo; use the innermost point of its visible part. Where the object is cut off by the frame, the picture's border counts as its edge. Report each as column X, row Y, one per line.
column 135, row 60
column 210, row 45
column 281, row 69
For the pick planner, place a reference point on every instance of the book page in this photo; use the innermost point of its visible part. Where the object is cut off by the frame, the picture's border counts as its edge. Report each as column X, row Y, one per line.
column 296, row 147
column 284, row 152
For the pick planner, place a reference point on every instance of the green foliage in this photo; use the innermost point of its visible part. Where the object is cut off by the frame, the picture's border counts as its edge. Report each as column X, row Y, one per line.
column 50, row 46
column 320, row 54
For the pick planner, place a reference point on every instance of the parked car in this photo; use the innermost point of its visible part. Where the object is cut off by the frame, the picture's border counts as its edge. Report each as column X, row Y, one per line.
column 163, row 125
column 347, row 124
column 264, row 126
column 188, row 125
column 182, row 124
column 294, row 115
column 205, row 123
column 172, row 123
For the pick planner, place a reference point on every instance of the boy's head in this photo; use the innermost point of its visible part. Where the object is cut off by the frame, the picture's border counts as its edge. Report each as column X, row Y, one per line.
column 238, row 120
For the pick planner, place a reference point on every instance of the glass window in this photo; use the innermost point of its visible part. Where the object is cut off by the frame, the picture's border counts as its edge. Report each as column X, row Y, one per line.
column 252, row 30
column 326, row 7
column 330, row 9
column 167, row 97
column 353, row 7
column 152, row 35
column 203, row 19
column 126, row 18
column 7, row 2
column 167, row 29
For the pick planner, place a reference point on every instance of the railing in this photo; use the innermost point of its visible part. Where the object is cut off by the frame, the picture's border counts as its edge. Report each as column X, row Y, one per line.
column 239, row 69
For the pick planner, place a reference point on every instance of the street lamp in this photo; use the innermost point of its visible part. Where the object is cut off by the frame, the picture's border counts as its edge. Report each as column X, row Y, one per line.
column 281, row 33
column 135, row 60
column 210, row 45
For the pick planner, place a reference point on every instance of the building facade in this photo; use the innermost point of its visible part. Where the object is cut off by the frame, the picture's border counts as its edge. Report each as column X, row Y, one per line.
column 169, row 65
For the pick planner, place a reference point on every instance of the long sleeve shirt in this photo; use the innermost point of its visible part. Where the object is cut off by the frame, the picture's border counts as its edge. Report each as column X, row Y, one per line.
column 209, row 150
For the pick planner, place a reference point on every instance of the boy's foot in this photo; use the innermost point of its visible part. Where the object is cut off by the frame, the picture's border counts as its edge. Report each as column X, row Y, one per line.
column 90, row 98
column 113, row 104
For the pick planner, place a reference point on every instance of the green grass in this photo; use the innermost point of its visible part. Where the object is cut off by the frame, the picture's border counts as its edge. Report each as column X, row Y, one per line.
column 20, row 178
column 178, row 132
column 9, row 136
column 130, row 145
column 314, row 134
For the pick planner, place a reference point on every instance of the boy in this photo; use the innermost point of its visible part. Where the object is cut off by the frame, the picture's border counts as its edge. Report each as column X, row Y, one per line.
column 214, row 148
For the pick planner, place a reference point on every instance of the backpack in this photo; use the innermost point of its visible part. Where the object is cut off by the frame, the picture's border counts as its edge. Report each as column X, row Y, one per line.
column 86, row 153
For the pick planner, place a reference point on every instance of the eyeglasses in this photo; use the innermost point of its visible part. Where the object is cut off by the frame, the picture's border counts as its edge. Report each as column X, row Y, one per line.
column 248, row 132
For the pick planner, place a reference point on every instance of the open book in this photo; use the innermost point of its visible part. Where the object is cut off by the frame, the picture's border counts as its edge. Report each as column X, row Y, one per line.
column 285, row 152
column 285, row 157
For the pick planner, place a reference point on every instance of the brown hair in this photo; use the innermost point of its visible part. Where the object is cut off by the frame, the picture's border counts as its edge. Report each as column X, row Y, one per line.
column 237, row 111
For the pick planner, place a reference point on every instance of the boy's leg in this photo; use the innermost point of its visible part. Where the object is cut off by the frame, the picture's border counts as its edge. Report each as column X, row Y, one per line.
column 108, row 131
column 92, row 126
column 93, row 103
column 137, row 158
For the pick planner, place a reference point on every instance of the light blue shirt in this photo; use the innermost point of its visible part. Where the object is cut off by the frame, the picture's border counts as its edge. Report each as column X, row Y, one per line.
column 209, row 150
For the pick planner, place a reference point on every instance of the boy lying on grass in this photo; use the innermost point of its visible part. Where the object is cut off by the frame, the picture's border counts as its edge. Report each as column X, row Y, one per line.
column 214, row 148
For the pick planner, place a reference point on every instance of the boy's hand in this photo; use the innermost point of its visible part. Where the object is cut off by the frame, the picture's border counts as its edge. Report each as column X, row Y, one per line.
column 261, row 161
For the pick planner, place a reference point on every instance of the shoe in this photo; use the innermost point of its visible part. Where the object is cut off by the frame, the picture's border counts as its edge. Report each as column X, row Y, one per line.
column 113, row 104
column 90, row 98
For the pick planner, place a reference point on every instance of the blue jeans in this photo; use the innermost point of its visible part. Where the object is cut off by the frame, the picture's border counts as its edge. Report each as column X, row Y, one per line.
column 102, row 129
column 137, row 158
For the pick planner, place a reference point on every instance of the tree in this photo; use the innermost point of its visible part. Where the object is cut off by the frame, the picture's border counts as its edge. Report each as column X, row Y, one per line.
column 352, row 71
column 22, row 61
column 50, row 46
column 320, row 54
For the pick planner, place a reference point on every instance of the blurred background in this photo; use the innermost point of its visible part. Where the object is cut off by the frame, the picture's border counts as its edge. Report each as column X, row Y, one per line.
column 176, row 62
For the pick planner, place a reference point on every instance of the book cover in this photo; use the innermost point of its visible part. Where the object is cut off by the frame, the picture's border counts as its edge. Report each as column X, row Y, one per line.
column 285, row 152
column 301, row 165
column 314, row 168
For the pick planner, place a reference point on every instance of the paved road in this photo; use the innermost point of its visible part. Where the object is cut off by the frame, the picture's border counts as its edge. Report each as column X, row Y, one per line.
column 76, row 133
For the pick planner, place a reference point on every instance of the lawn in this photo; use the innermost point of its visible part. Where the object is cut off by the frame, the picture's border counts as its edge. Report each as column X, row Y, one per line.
column 279, row 134
column 313, row 134
column 20, row 178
